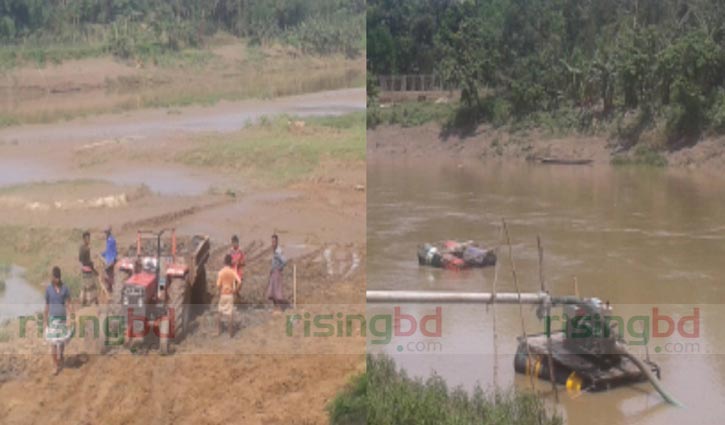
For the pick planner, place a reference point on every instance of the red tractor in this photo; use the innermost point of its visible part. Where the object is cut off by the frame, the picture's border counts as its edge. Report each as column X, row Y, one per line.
column 156, row 294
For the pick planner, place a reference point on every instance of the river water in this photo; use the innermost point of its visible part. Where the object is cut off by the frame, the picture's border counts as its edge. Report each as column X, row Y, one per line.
column 639, row 238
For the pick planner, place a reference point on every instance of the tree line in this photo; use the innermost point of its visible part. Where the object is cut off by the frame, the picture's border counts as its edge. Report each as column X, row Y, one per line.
column 317, row 26
column 640, row 64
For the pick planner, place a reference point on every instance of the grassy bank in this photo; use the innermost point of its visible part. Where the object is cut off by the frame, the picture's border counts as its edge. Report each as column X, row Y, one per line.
column 501, row 128
column 384, row 395
column 4, row 273
column 275, row 152
column 229, row 72
column 409, row 114
column 39, row 249
column 455, row 119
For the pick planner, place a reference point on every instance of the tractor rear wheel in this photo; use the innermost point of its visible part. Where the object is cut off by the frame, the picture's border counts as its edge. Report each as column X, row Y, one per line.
column 178, row 309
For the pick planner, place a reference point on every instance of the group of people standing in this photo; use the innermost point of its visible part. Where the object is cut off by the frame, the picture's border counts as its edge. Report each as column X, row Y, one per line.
column 56, row 318
column 231, row 277
column 58, row 308
column 89, row 274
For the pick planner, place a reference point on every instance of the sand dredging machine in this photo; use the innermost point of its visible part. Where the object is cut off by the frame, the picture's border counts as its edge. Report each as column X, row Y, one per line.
column 586, row 354
column 454, row 255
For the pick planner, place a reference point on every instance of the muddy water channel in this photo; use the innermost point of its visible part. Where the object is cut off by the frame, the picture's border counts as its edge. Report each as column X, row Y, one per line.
column 19, row 297
column 639, row 238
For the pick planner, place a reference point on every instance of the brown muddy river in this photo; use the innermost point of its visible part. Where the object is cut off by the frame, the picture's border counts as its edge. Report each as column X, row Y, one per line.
column 639, row 238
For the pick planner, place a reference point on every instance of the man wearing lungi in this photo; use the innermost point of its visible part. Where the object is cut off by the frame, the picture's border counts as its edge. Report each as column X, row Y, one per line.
column 56, row 319
column 275, row 285
column 228, row 284
column 89, row 291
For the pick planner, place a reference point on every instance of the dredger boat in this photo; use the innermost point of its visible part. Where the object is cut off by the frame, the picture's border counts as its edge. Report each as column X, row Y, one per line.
column 454, row 255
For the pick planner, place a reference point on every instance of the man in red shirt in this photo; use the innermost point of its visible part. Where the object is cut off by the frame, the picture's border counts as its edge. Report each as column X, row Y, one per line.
column 238, row 258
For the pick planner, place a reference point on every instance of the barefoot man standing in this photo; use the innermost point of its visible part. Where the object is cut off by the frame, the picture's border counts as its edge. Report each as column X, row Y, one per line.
column 109, row 259
column 56, row 320
column 89, row 275
column 228, row 283
column 274, row 287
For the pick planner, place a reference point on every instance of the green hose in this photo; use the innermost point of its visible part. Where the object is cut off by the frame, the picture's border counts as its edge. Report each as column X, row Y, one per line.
column 650, row 376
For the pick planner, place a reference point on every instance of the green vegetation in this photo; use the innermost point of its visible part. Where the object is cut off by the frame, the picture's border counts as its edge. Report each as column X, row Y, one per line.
column 386, row 396
column 39, row 249
column 641, row 155
column 4, row 272
column 276, row 152
column 50, row 31
column 624, row 66
column 5, row 333
column 409, row 114
column 349, row 407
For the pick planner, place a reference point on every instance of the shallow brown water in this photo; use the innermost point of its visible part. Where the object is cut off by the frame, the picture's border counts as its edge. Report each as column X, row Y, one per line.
column 19, row 297
column 640, row 238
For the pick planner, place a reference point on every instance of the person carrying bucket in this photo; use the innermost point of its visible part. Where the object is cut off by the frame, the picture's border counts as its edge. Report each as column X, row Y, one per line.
column 56, row 319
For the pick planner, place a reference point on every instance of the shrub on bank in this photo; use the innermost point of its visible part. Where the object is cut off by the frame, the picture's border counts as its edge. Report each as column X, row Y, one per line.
column 641, row 155
column 384, row 395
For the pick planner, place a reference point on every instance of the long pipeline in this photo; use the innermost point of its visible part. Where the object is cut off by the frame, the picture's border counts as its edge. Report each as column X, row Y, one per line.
column 466, row 297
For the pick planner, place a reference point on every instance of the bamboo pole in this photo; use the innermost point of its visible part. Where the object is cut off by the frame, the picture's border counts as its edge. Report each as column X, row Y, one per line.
column 518, row 292
column 294, row 285
column 495, row 335
column 548, row 316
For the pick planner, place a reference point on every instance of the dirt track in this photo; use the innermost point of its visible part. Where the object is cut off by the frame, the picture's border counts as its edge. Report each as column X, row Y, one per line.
column 258, row 377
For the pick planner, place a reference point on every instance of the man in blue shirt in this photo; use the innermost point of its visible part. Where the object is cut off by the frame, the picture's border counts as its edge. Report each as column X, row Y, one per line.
column 56, row 320
column 109, row 258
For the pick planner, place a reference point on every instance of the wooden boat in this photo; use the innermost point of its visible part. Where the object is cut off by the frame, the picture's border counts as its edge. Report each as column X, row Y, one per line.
column 564, row 161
